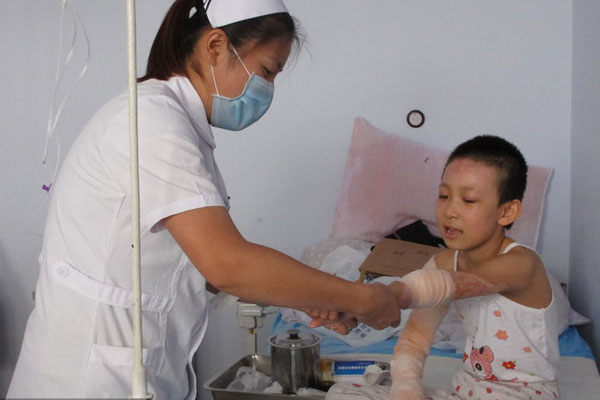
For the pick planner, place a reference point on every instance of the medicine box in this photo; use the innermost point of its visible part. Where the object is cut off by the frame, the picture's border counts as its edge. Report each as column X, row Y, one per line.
column 393, row 257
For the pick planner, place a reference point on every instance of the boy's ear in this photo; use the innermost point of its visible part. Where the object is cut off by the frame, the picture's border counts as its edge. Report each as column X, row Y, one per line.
column 510, row 212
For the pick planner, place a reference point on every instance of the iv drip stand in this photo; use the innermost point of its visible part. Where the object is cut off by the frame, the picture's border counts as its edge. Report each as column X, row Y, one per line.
column 138, row 385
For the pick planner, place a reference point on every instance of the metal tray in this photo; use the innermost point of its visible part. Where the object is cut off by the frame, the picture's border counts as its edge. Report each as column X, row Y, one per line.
column 262, row 362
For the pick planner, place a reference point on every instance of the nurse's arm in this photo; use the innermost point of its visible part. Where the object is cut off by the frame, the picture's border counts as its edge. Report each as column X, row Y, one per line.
column 257, row 273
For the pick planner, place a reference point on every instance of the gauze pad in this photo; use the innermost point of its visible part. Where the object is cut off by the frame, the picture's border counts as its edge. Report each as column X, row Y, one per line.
column 429, row 287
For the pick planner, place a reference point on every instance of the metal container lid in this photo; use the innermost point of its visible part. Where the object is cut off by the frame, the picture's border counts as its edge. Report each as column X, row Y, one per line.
column 294, row 339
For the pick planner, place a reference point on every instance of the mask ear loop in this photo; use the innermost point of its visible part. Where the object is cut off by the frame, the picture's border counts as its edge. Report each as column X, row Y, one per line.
column 239, row 58
column 212, row 71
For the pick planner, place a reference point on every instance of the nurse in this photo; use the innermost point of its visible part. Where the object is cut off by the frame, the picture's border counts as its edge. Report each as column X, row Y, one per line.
column 212, row 63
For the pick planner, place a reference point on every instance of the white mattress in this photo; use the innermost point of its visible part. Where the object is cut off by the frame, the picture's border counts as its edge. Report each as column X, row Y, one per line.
column 579, row 378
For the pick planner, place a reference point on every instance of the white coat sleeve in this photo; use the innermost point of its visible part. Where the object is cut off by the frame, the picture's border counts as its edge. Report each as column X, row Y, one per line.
column 177, row 169
column 174, row 179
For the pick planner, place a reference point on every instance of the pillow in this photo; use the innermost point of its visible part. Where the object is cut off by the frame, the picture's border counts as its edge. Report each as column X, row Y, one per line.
column 390, row 181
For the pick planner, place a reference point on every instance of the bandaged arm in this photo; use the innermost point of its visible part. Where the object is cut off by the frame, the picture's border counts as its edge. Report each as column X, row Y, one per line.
column 414, row 343
column 431, row 286
column 425, row 287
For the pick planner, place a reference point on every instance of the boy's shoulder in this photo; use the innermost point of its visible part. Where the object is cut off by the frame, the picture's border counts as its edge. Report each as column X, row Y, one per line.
column 445, row 260
column 525, row 253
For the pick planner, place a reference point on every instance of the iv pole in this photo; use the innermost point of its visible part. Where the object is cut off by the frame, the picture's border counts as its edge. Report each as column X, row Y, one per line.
column 138, row 385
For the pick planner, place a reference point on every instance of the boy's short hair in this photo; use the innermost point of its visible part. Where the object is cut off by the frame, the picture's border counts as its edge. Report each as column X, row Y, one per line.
column 500, row 153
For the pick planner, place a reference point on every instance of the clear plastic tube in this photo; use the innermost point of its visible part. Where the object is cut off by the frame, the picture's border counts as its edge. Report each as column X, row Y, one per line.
column 56, row 105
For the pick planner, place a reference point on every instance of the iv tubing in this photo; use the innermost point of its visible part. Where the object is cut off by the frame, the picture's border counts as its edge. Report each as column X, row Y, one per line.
column 138, row 385
column 56, row 107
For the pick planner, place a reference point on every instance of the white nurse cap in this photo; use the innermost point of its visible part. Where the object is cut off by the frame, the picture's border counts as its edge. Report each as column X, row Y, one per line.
column 225, row 12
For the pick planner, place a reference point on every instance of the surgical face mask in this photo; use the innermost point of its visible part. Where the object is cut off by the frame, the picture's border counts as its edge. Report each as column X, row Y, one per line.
column 237, row 113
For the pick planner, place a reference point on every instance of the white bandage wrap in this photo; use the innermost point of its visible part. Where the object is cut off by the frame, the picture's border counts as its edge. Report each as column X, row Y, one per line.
column 429, row 287
column 407, row 371
column 411, row 351
column 372, row 374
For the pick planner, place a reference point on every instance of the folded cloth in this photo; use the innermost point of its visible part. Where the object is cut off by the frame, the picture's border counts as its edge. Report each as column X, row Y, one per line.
column 417, row 232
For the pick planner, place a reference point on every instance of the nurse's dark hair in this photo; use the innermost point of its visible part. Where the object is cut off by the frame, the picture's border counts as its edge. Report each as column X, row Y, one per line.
column 178, row 33
column 500, row 153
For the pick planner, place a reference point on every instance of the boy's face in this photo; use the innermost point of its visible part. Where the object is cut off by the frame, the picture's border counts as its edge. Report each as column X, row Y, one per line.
column 467, row 208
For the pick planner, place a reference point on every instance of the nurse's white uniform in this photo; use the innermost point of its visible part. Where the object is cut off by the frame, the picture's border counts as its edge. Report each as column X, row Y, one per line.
column 78, row 341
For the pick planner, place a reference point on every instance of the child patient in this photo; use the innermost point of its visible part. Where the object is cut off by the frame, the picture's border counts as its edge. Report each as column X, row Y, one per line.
column 499, row 286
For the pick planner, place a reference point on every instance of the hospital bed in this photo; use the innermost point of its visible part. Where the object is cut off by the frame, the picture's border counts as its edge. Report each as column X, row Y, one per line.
column 579, row 378
column 390, row 182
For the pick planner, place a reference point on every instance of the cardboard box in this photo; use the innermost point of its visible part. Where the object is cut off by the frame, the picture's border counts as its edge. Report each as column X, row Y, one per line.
column 392, row 257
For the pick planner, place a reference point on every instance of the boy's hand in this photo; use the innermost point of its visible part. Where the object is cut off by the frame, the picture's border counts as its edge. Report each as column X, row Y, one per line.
column 323, row 315
column 336, row 321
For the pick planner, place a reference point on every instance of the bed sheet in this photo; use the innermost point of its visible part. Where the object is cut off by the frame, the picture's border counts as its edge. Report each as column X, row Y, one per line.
column 570, row 343
column 578, row 376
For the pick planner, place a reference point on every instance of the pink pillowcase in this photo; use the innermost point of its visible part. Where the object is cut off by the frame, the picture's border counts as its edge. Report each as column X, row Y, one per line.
column 391, row 181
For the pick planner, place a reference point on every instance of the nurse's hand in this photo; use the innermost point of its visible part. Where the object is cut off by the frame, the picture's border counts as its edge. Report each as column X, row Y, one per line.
column 380, row 310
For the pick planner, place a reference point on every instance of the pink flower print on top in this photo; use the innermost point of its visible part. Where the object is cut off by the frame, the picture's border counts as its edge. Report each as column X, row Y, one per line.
column 497, row 313
column 481, row 361
column 501, row 334
column 509, row 364
column 527, row 349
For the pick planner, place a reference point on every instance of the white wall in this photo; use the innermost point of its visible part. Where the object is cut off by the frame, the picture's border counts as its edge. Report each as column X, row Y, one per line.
column 472, row 66
column 585, row 192
column 26, row 79
column 29, row 32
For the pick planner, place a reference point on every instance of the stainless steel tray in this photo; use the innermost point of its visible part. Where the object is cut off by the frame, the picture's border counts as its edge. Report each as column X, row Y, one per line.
column 262, row 362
